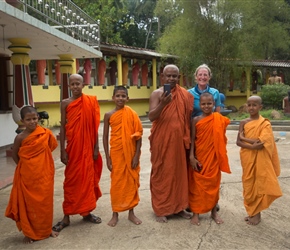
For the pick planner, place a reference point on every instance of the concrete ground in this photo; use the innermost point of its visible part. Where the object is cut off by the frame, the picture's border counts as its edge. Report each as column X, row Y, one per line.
column 272, row 233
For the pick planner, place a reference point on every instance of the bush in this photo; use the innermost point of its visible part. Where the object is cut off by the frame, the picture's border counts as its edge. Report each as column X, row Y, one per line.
column 273, row 95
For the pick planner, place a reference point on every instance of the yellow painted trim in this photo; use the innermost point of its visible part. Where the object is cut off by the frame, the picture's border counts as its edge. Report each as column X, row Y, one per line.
column 119, row 63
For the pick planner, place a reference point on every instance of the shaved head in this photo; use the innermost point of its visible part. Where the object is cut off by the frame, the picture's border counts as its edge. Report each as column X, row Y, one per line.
column 77, row 76
column 171, row 66
column 255, row 98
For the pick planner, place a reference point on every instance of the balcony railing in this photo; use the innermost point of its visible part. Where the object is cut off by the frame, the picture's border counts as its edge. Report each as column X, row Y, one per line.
column 65, row 16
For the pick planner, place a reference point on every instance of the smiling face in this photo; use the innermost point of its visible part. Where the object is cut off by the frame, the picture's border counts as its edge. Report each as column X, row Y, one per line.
column 254, row 105
column 206, row 104
column 120, row 98
column 170, row 75
column 30, row 121
column 76, row 85
column 202, row 77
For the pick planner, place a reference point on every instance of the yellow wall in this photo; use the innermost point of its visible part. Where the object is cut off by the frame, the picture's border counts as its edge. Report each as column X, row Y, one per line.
column 236, row 98
column 48, row 100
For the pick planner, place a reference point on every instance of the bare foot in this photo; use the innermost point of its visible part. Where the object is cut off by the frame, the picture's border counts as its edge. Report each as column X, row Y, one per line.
column 184, row 215
column 195, row 219
column 161, row 219
column 113, row 222
column 254, row 220
column 27, row 240
column 246, row 218
column 217, row 219
column 215, row 216
column 54, row 234
column 132, row 217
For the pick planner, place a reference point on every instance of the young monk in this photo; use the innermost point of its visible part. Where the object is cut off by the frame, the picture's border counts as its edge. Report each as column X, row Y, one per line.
column 208, row 157
column 260, row 162
column 80, row 120
column 124, row 155
column 31, row 198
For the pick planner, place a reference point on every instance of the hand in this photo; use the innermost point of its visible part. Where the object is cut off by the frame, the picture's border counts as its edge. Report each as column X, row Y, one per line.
column 109, row 164
column 258, row 145
column 135, row 161
column 64, row 157
column 193, row 162
column 164, row 100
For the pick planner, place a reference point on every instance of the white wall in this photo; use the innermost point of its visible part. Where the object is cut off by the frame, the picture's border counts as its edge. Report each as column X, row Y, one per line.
column 7, row 129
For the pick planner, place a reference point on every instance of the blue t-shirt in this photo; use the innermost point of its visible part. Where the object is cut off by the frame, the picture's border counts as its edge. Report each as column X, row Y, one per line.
column 197, row 92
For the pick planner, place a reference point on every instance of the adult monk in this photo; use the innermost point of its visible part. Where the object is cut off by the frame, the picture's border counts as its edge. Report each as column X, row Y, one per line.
column 208, row 157
column 169, row 140
column 260, row 162
column 31, row 198
column 124, row 155
column 80, row 119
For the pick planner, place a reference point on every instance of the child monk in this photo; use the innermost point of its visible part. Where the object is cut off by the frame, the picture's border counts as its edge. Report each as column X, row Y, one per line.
column 260, row 162
column 31, row 198
column 208, row 157
column 124, row 155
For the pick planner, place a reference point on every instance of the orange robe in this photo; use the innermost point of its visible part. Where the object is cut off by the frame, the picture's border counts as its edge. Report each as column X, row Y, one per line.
column 126, row 129
column 31, row 198
column 260, row 168
column 82, row 173
column 169, row 139
column 210, row 151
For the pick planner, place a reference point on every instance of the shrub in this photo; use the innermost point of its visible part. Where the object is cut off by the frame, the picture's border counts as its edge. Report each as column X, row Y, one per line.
column 273, row 95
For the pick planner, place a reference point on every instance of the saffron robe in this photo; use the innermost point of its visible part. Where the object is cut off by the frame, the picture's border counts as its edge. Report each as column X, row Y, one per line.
column 169, row 139
column 82, row 173
column 260, row 168
column 210, row 151
column 31, row 198
column 126, row 129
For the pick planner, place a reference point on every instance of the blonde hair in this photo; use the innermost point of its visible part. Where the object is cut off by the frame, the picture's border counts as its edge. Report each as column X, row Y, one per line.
column 203, row 66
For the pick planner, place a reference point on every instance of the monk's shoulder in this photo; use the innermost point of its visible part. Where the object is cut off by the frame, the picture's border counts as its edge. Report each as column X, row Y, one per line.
column 66, row 102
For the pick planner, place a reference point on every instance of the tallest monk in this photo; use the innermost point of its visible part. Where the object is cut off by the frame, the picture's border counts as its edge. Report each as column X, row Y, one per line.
column 169, row 140
column 80, row 120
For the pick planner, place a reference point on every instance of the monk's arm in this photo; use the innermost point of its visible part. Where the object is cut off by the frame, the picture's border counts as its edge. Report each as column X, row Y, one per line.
column 247, row 143
column 192, row 159
column 157, row 103
column 96, row 147
column 106, row 140
column 15, row 148
column 136, row 157
column 63, row 154
column 218, row 109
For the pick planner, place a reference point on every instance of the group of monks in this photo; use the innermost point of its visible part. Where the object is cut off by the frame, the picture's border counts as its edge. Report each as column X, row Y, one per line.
column 176, row 185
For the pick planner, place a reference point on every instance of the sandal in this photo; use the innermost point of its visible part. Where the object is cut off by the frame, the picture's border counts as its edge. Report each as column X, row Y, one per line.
column 92, row 218
column 59, row 226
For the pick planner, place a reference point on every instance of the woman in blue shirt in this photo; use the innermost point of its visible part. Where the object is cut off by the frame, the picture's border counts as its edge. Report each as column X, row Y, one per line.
column 202, row 76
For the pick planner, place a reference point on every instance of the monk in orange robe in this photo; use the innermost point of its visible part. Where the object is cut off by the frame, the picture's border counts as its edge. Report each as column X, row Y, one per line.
column 31, row 198
column 80, row 119
column 260, row 162
column 169, row 140
column 123, row 158
column 208, row 157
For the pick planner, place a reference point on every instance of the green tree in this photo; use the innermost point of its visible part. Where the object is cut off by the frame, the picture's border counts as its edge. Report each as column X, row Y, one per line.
column 218, row 32
column 109, row 12
column 139, row 26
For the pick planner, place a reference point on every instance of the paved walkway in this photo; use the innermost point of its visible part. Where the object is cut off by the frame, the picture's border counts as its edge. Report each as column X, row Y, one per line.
column 272, row 233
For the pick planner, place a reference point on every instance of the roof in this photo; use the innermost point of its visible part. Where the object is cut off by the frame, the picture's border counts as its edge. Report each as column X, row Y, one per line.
column 132, row 52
